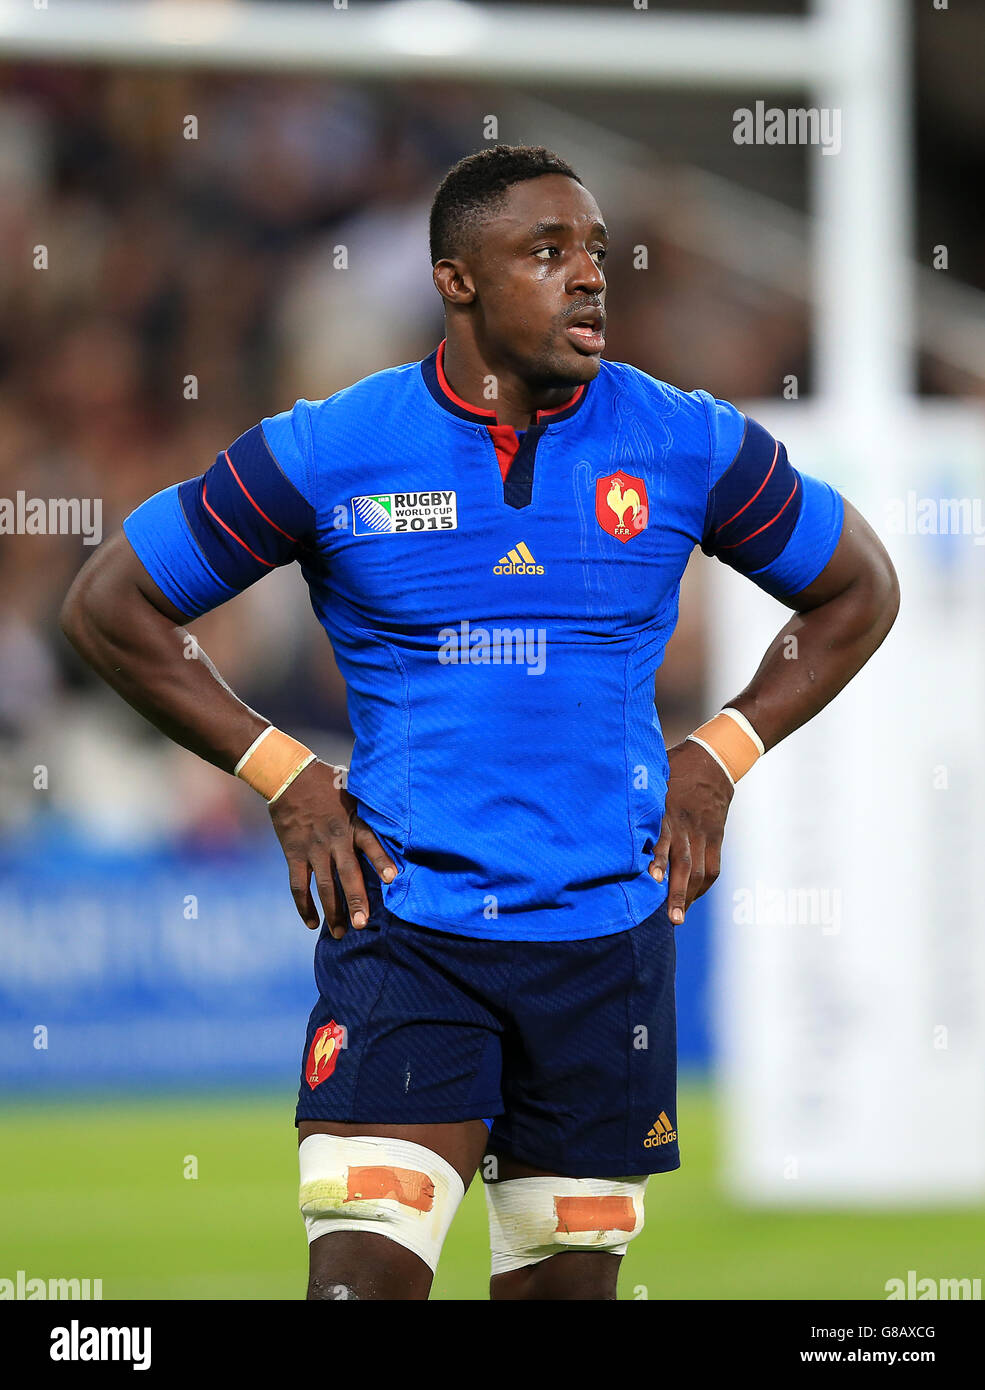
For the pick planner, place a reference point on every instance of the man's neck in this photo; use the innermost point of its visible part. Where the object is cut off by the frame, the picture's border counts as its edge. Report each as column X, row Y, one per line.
column 514, row 401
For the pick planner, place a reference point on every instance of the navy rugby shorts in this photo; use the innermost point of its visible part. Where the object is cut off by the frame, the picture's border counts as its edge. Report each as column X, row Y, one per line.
column 568, row 1049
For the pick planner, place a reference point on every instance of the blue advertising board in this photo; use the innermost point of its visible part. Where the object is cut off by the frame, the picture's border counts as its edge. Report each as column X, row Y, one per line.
column 179, row 967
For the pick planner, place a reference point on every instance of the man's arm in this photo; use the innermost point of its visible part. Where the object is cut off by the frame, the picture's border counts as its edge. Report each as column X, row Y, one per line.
column 841, row 619
column 133, row 636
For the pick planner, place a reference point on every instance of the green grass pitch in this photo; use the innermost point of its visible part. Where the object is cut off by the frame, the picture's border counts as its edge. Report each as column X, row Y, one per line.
column 97, row 1190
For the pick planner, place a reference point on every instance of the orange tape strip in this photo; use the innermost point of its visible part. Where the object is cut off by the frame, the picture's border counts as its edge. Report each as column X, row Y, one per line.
column 595, row 1214
column 404, row 1185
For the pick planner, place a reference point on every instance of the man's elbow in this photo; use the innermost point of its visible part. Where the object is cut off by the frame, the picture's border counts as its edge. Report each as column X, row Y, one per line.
column 102, row 593
column 75, row 617
column 878, row 593
column 97, row 602
column 893, row 600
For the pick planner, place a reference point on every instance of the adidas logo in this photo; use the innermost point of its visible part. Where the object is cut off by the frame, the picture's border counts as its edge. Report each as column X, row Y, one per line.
column 661, row 1132
column 518, row 561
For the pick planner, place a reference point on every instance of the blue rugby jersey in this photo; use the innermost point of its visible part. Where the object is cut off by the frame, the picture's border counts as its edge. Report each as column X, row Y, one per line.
column 498, row 603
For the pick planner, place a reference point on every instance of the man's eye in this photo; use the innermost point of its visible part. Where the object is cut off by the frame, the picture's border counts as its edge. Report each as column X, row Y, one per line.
column 545, row 252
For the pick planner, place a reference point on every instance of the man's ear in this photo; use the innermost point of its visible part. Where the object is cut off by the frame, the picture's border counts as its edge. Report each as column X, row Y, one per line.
column 453, row 281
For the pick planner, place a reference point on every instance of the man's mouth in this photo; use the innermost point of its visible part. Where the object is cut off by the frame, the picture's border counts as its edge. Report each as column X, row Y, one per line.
column 586, row 330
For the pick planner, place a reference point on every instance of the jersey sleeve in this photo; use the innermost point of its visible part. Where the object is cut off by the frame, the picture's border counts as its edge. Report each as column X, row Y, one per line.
column 210, row 537
column 777, row 526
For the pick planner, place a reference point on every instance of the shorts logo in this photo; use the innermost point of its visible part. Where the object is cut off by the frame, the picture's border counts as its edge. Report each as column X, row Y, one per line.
column 661, row 1132
column 621, row 506
column 324, row 1053
column 518, row 561
column 386, row 513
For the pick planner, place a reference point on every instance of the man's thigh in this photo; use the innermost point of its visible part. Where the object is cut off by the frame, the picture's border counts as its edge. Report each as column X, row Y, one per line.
column 590, row 1056
column 574, row 1274
column 369, row 1264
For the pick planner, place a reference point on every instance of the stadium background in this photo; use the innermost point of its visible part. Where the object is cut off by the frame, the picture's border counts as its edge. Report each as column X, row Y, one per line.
column 145, row 922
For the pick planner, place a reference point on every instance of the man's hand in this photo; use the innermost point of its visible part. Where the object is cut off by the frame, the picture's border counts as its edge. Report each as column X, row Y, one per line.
column 319, row 831
column 698, row 798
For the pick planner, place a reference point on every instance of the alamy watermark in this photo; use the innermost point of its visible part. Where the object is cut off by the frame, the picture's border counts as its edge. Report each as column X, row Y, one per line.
column 498, row 646
column 21, row 515
column 936, row 516
column 766, row 906
column 914, row 1288
column 80, row 1343
column 794, row 125
column 21, row 1287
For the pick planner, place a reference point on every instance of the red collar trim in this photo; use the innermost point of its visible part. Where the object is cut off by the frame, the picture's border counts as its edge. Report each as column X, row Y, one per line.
column 490, row 415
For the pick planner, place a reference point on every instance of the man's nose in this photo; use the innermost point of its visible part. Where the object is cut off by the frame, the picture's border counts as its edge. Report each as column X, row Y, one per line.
column 588, row 274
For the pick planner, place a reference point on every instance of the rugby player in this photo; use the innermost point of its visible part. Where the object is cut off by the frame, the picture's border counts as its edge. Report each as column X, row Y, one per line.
column 493, row 539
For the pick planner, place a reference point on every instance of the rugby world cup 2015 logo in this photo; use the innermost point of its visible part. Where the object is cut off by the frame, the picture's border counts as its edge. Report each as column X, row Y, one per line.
column 393, row 513
column 324, row 1053
column 621, row 505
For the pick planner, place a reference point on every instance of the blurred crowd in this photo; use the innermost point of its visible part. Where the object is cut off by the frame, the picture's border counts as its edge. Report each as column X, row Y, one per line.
column 169, row 274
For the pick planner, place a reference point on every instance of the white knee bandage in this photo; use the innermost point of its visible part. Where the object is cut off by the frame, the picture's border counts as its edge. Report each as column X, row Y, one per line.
column 387, row 1186
column 531, row 1219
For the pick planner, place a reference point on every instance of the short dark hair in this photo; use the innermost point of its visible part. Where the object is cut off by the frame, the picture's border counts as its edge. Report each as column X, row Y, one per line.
column 476, row 184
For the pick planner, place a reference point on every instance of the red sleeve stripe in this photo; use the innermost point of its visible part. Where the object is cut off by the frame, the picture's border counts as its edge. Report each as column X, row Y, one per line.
column 752, row 499
column 765, row 525
column 218, row 518
column 256, row 504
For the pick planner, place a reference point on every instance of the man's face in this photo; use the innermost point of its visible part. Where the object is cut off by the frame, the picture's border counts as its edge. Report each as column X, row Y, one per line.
column 540, row 288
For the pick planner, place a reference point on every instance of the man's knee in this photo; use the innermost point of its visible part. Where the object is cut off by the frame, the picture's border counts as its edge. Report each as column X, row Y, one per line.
column 537, row 1223
column 376, row 1211
column 361, row 1266
column 324, row 1290
column 571, row 1275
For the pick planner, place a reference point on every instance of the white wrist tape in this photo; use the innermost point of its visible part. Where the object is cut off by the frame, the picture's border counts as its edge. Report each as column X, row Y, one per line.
column 745, row 726
column 731, row 740
column 272, row 762
column 251, row 750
